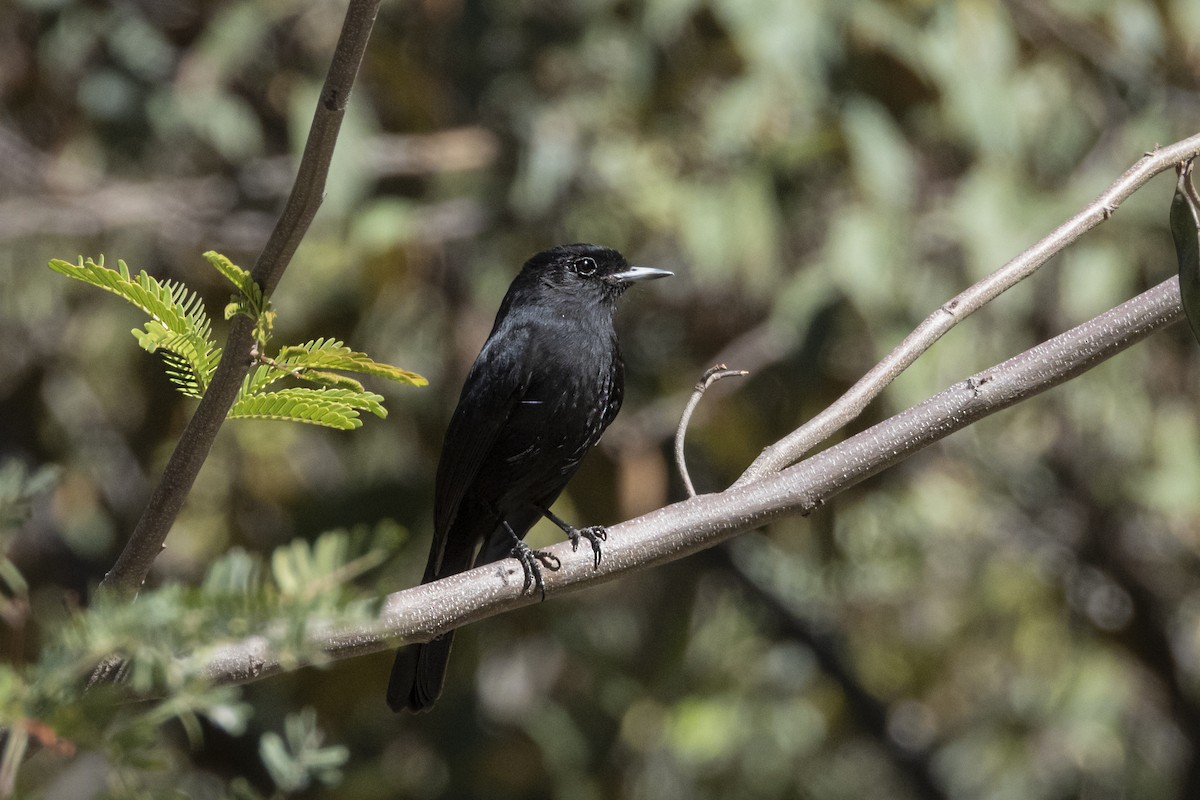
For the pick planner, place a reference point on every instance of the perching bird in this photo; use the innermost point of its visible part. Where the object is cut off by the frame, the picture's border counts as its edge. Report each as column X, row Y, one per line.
column 546, row 384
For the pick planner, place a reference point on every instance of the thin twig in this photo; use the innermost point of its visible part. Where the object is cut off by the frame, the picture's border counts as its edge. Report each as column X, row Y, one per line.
column 426, row 611
column 713, row 375
column 146, row 541
column 793, row 447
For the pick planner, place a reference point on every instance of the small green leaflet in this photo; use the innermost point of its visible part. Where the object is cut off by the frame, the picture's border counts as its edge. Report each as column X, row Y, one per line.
column 1185, row 230
column 249, row 300
column 298, row 759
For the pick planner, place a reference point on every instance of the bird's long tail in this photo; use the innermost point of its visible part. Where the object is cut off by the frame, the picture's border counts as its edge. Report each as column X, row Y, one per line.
column 420, row 669
column 418, row 674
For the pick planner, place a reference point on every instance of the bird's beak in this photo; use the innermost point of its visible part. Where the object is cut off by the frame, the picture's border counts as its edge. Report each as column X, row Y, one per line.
column 635, row 274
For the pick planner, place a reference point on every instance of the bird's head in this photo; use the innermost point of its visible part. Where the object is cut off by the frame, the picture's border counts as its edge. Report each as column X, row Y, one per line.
column 587, row 271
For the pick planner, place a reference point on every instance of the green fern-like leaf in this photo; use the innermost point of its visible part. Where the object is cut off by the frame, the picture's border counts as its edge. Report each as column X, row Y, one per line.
column 304, row 570
column 330, row 354
column 259, row 378
column 266, row 374
column 180, row 332
column 190, row 362
column 179, row 328
column 332, row 408
column 239, row 277
column 314, row 362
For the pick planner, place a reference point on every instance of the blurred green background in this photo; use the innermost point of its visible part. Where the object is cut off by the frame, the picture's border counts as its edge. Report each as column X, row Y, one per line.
column 1011, row 614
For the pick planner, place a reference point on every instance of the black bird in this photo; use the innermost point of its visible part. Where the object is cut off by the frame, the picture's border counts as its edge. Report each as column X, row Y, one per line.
column 546, row 384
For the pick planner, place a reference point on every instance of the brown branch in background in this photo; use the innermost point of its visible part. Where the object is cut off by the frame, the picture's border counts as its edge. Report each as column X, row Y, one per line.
column 793, row 446
column 204, row 210
column 713, row 375
column 668, row 534
column 450, row 150
column 146, row 541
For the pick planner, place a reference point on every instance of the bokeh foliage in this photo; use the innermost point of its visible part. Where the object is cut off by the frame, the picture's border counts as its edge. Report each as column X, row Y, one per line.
column 1012, row 614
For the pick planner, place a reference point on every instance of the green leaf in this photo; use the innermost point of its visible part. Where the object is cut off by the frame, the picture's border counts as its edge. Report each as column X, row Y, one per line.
column 180, row 332
column 1185, row 230
column 260, row 378
column 179, row 329
column 249, row 300
column 333, row 380
column 235, row 573
column 330, row 354
column 332, row 408
column 296, row 763
column 334, row 405
column 239, row 277
column 190, row 361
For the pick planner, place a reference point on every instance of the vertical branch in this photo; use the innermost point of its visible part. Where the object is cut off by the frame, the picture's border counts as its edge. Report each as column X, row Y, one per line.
column 146, row 541
column 308, row 190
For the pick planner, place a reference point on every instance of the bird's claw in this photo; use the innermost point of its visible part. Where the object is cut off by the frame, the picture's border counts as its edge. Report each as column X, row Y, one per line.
column 595, row 535
column 548, row 559
column 532, row 562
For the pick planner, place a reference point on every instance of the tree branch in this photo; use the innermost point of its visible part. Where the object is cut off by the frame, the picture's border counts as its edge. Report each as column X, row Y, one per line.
column 309, row 188
column 793, row 447
column 146, row 541
column 425, row 611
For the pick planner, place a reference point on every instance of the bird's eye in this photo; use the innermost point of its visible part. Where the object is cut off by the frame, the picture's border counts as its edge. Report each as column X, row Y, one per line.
column 585, row 266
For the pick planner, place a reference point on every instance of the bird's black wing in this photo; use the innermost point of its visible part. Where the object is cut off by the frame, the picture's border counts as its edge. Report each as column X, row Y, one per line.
column 495, row 385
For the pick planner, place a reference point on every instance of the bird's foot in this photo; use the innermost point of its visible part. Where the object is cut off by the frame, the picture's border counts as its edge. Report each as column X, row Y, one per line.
column 595, row 534
column 532, row 562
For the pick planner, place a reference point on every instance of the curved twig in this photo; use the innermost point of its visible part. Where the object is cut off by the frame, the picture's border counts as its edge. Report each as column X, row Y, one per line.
column 713, row 375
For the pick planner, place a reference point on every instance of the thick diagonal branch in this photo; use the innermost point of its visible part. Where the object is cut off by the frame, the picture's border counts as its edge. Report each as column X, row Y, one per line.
column 423, row 612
